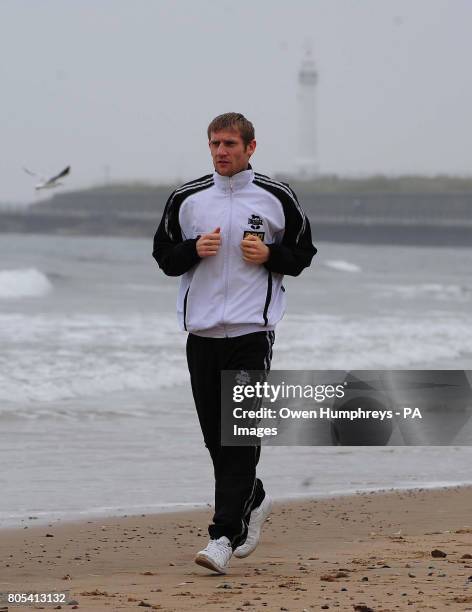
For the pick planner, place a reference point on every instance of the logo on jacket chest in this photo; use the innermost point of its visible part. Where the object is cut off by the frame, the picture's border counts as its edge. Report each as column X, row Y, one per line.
column 255, row 223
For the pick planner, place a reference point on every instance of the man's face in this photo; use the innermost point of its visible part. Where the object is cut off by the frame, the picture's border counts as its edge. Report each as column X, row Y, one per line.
column 230, row 154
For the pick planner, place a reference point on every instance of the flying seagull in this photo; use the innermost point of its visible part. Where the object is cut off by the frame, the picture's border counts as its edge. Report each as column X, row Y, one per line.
column 48, row 183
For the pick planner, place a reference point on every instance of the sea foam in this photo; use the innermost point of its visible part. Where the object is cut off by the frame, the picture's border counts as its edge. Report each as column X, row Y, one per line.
column 342, row 266
column 21, row 283
column 48, row 358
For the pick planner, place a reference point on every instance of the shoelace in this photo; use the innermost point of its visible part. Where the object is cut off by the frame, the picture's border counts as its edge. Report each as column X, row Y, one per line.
column 219, row 548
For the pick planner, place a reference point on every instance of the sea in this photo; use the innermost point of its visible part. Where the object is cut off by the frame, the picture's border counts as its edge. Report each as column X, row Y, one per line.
column 96, row 411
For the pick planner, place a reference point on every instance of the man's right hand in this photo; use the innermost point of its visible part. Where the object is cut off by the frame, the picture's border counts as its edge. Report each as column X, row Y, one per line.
column 208, row 244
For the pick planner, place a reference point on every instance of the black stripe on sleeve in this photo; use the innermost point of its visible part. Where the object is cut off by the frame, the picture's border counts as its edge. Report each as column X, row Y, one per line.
column 174, row 255
column 296, row 250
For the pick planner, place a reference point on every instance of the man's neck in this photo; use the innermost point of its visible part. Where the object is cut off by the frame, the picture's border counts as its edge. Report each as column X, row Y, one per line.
column 248, row 167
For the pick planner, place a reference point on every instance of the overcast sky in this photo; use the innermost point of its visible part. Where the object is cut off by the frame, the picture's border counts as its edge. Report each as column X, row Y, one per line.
column 125, row 89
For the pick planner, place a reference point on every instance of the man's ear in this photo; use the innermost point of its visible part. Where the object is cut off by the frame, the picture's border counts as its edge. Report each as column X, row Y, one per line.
column 251, row 147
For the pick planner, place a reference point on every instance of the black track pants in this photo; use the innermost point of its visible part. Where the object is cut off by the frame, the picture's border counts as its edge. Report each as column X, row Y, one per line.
column 237, row 490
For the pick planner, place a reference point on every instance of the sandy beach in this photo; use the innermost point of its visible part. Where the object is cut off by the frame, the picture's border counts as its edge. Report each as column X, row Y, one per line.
column 386, row 551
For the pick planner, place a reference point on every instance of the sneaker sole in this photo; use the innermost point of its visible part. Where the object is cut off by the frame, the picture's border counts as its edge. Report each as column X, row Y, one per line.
column 246, row 554
column 205, row 561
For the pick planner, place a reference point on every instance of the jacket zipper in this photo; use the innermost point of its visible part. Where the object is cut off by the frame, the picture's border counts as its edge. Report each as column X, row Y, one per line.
column 185, row 308
column 228, row 243
column 268, row 298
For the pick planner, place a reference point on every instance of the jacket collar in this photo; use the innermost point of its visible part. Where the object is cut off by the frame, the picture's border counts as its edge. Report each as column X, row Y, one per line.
column 235, row 182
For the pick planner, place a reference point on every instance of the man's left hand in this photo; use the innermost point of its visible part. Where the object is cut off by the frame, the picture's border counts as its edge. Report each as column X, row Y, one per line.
column 254, row 250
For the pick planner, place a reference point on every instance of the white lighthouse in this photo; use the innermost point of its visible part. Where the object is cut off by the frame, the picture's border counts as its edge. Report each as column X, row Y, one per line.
column 307, row 165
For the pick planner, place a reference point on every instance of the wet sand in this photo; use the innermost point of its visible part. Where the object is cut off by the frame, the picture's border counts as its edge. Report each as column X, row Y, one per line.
column 370, row 551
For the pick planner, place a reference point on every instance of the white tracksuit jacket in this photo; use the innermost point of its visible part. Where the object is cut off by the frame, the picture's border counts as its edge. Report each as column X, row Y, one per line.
column 224, row 296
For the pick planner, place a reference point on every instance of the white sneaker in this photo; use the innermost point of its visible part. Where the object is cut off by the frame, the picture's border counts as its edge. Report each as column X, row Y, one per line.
column 216, row 555
column 258, row 516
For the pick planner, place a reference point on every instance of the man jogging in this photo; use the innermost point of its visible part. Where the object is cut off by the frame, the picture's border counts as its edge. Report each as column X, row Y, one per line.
column 231, row 236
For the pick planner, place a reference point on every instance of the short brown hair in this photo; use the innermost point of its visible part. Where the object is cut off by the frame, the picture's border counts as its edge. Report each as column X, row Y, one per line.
column 235, row 121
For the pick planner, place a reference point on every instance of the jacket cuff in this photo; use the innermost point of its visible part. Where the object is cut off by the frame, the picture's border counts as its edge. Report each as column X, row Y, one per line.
column 277, row 257
column 190, row 247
